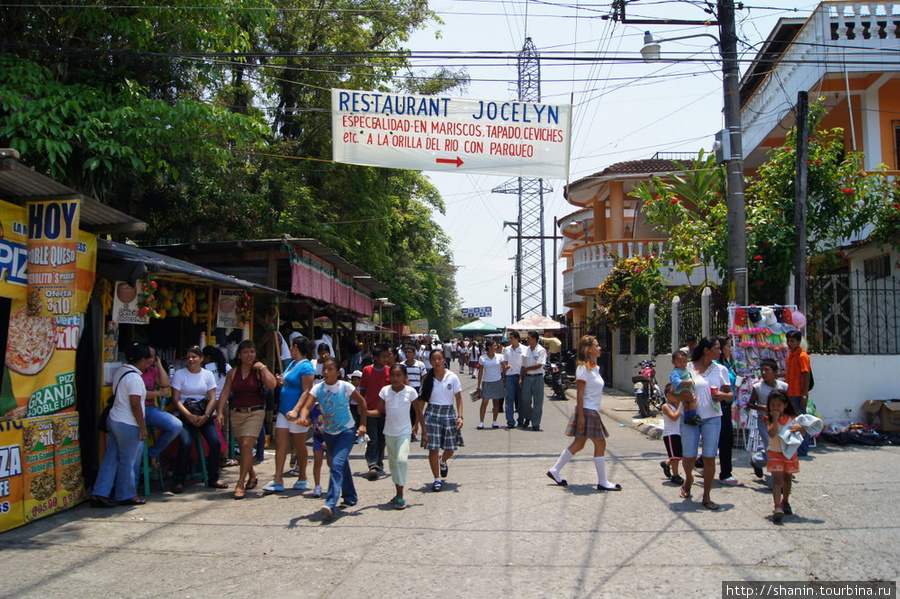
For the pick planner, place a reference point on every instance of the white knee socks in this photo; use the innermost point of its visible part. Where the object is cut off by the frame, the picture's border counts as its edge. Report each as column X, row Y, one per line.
column 600, row 465
column 564, row 458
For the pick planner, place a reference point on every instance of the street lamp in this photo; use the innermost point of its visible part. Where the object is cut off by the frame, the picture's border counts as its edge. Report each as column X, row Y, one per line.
column 650, row 50
column 734, row 159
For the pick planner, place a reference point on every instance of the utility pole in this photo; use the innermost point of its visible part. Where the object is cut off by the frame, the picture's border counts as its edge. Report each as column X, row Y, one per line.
column 737, row 214
column 800, row 193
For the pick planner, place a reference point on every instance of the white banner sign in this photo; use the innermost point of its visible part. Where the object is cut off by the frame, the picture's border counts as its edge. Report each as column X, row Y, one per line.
column 520, row 139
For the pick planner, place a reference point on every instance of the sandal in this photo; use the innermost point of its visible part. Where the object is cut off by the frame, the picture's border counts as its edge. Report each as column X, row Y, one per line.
column 251, row 484
column 710, row 505
column 271, row 487
column 685, row 493
column 218, row 485
column 239, row 494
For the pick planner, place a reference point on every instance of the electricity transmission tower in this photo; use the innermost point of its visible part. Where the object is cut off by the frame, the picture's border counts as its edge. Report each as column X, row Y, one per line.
column 531, row 277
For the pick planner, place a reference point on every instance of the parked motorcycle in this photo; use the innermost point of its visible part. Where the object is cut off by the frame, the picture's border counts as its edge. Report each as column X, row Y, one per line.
column 556, row 378
column 647, row 393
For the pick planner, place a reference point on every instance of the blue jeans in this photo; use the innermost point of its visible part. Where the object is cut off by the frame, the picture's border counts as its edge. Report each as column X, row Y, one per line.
column 185, row 440
column 532, row 405
column 513, row 399
column 340, row 480
column 165, row 423
column 123, row 445
column 709, row 429
column 804, row 446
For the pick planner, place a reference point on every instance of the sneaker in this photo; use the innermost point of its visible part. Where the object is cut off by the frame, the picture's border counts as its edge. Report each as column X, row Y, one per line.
column 495, row 425
column 677, row 480
column 317, row 492
column 436, row 486
column 373, row 473
column 666, row 469
column 327, row 512
column 786, row 508
column 758, row 472
column 399, row 504
column 480, row 426
column 444, row 469
column 731, row 482
column 777, row 515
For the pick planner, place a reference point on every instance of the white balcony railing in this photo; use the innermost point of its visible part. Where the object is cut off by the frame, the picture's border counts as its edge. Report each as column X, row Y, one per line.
column 570, row 298
column 823, row 46
column 593, row 262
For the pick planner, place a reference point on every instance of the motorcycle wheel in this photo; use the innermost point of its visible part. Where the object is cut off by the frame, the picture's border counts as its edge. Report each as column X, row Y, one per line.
column 643, row 402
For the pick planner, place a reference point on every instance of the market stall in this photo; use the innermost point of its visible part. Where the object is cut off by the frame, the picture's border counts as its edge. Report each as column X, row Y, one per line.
column 757, row 333
column 48, row 236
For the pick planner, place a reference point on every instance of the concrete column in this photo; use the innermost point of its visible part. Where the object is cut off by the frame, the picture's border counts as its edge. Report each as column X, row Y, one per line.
column 600, row 231
column 616, row 210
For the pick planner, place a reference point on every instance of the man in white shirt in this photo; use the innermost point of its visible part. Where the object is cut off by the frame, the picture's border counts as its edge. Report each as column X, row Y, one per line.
column 512, row 369
column 531, row 407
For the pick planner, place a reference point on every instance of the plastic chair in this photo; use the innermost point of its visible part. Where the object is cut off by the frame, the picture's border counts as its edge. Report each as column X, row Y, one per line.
column 146, row 471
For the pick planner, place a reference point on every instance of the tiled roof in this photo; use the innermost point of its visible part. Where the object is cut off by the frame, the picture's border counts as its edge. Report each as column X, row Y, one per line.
column 635, row 167
column 649, row 165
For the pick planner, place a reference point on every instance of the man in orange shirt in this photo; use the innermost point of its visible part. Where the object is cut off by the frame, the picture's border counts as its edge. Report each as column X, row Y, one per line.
column 797, row 377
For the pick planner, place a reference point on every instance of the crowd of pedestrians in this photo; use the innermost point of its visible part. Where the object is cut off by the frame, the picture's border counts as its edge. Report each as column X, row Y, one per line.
column 412, row 389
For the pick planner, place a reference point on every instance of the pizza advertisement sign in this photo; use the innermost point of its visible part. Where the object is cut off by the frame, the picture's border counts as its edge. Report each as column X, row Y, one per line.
column 11, row 476
column 67, row 461
column 38, row 453
column 52, row 257
column 40, row 350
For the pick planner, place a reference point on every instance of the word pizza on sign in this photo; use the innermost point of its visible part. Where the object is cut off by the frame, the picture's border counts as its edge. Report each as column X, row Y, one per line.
column 523, row 139
column 477, row 312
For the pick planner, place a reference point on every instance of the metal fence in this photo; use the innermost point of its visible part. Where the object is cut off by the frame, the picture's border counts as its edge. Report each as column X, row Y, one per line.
column 851, row 313
column 848, row 313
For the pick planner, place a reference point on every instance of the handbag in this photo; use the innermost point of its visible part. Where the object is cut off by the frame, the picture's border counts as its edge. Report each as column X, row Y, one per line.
column 196, row 406
column 103, row 423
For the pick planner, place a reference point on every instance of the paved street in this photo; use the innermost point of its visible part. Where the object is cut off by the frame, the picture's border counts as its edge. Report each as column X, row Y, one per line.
column 499, row 528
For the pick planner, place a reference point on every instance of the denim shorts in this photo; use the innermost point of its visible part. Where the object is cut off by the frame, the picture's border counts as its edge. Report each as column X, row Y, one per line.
column 709, row 429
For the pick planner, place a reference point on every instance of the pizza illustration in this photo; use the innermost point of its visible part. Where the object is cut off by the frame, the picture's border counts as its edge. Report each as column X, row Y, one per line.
column 31, row 342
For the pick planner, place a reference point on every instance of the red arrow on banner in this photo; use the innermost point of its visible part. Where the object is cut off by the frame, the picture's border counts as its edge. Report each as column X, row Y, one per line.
column 458, row 161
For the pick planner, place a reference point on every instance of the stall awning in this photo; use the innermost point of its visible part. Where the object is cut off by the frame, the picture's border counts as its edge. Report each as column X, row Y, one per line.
column 19, row 184
column 120, row 261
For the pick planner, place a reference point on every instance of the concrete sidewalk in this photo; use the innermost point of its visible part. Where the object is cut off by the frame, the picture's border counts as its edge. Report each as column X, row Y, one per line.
column 500, row 528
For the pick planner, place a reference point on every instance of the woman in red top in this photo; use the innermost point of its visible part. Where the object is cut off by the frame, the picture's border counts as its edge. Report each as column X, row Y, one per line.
column 248, row 409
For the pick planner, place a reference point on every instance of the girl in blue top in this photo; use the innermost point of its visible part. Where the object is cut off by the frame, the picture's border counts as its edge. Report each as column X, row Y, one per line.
column 340, row 430
column 297, row 378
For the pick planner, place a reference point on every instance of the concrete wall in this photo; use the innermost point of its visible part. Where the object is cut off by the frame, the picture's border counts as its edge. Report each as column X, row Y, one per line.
column 843, row 383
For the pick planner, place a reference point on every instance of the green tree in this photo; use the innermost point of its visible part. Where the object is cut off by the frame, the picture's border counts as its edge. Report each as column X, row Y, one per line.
column 214, row 123
column 842, row 201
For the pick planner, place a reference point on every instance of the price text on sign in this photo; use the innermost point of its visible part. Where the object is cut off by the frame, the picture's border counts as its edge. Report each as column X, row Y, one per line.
column 524, row 139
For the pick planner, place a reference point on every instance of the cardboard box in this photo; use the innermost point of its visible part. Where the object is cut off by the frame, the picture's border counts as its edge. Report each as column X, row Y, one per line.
column 884, row 414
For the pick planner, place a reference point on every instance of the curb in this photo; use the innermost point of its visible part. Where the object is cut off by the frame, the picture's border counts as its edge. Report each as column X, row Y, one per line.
column 652, row 432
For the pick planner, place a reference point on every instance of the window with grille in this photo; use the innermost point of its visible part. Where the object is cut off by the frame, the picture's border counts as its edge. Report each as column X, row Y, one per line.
column 878, row 267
